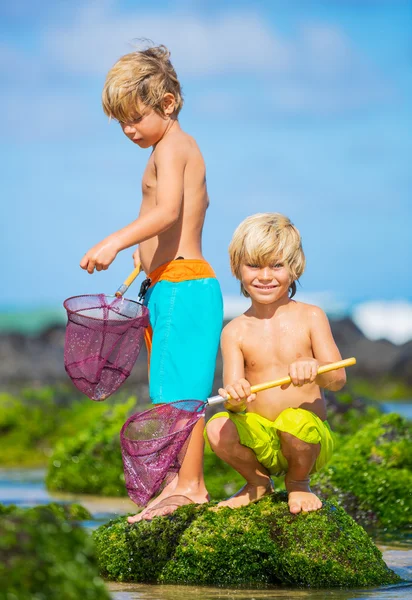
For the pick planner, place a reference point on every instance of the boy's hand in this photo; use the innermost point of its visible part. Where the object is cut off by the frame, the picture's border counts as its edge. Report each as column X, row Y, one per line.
column 240, row 393
column 301, row 371
column 100, row 256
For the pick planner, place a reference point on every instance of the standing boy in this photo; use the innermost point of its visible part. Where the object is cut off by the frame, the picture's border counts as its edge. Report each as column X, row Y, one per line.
column 142, row 92
column 283, row 430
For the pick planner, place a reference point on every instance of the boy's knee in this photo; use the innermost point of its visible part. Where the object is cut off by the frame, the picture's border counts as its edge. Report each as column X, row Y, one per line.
column 221, row 433
column 214, row 431
column 293, row 445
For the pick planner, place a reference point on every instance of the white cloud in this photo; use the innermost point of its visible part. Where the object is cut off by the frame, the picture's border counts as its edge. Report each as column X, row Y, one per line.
column 389, row 320
column 236, row 42
column 314, row 70
column 300, row 68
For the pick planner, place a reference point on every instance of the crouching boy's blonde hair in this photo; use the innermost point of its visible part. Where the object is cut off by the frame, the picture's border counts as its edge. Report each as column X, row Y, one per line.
column 264, row 239
column 141, row 77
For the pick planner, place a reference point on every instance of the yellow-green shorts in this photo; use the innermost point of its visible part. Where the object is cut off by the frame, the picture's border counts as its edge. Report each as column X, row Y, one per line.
column 261, row 435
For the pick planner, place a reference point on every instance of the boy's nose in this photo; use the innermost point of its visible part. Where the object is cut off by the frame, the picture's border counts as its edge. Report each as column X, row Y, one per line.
column 265, row 274
column 129, row 129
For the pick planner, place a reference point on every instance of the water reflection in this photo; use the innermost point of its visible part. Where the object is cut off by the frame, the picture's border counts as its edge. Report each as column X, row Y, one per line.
column 157, row 592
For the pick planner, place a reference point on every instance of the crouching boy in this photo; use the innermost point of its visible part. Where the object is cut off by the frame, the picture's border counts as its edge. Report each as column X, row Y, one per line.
column 281, row 430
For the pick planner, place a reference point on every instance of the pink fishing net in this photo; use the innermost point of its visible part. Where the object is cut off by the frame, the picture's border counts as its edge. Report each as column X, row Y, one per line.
column 104, row 335
column 154, row 444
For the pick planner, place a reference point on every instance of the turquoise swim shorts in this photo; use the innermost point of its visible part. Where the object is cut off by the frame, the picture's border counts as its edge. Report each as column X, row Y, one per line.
column 186, row 316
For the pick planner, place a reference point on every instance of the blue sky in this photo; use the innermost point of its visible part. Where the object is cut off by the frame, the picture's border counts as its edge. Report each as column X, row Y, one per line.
column 299, row 107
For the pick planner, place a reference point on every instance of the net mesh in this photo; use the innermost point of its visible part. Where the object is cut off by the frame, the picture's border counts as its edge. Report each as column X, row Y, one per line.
column 154, row 444
column 104, row 335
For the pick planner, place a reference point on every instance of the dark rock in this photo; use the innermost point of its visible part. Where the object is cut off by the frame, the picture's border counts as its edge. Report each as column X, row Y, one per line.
column 403, row 365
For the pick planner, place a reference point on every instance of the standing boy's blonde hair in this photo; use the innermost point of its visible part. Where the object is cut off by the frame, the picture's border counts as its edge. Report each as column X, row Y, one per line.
column 264, row 239
column 141, row 77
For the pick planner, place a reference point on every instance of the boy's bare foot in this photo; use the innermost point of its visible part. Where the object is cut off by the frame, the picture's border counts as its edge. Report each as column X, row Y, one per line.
column 161, row 507
column 167, row 491
column 247, row 494
column 301, row 499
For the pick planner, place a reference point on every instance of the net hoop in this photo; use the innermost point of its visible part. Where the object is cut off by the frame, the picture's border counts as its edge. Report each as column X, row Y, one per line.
column 199, row 410
column 71, row 311
column 104, row 335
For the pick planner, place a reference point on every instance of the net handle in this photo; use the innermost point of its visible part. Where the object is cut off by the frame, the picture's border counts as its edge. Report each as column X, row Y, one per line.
column 341, row 364
column 125, row 285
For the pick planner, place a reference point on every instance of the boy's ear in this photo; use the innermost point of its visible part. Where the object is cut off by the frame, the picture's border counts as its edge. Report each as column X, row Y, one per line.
column 168, row 104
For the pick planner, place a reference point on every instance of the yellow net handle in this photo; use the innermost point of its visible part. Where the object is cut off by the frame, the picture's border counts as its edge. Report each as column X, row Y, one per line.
column 123, row 288
column 341, row 364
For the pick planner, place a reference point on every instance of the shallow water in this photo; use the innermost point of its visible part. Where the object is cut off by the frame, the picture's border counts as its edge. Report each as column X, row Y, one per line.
column 26, row 487
column 157, row 592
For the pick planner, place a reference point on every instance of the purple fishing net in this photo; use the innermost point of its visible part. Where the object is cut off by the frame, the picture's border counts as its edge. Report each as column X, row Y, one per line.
column 104, row 335
column 154, row 444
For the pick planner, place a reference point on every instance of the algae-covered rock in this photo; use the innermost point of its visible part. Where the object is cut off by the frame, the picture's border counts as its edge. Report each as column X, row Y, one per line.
column 42, row 555
column 371, row 475
column 90, row 462
column 33, row 420
column 259, row 544
column 66, row 512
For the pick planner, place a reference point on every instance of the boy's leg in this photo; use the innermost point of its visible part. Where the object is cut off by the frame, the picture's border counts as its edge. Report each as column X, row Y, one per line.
column 188, row 321
column 188, row 487
column 301, row 457
column 224, row 441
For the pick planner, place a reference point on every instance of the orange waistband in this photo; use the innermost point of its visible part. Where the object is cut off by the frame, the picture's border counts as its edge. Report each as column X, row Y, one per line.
column 182, row 270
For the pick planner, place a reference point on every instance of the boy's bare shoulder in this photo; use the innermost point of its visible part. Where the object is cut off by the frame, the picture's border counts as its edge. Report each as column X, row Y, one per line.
column 234, row 329
column 310, row 311
column 178, row 146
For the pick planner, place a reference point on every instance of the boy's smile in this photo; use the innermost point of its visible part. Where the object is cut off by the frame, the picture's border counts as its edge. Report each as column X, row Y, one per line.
column 266, row 284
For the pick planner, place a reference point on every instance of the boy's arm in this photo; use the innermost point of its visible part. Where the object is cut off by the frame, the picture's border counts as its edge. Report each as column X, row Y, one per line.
column 325, row 350
column 170, row 162
column 233, row 369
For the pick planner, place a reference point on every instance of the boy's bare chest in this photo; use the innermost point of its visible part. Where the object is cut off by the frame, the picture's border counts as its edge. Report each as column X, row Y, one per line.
column 278, row 345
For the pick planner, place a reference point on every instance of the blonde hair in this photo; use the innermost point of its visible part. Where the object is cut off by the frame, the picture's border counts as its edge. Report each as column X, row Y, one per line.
column 263, row 239
column 145, row 76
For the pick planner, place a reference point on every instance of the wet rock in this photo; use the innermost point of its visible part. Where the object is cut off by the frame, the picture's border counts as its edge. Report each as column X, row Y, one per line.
column 260, row 544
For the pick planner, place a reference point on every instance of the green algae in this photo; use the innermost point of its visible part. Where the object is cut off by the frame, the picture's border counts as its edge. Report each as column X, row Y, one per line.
column 260, row 544
column 34, row 420
column 43, row 555
column 371, row 474
column 348, row 412
column 90, row 462
column 67, row 512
